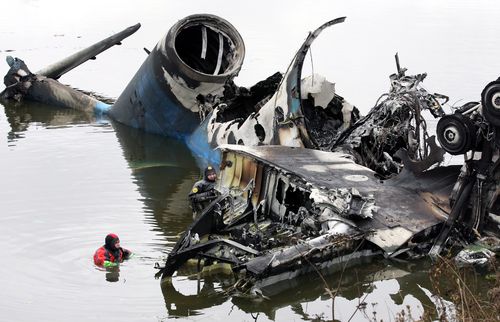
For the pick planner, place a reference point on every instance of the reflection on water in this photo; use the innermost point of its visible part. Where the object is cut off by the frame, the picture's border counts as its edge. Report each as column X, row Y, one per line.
column 365, row 290
column 21, row 115
column 65, row 185
column 208, row 293
column 164, row 171
column 113, row 274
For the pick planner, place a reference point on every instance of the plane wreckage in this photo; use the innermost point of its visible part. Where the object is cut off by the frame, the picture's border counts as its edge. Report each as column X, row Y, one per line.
column 306, row 182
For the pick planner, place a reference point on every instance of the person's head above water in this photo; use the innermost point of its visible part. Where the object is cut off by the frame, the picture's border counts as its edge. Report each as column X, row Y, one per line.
column 210, row 174
column 111, row 253
column 112, row 242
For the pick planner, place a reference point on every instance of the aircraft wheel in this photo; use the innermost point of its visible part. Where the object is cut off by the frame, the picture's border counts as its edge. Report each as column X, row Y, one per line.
column 456, row 134
column 490, row 100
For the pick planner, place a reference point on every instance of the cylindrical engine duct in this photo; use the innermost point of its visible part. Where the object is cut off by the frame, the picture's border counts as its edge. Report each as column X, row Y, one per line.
column 199, row 54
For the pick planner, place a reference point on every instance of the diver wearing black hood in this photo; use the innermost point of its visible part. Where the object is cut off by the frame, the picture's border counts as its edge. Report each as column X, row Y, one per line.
column 203, row 191
column 111, row 253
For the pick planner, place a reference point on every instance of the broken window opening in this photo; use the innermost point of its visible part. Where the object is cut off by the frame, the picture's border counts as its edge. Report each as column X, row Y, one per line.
column 260, row 132
column 200, row 48
column 296, row 198
column 231, row 139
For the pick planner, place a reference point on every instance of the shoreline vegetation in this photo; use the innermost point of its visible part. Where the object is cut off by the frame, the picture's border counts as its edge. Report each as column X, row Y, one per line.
column 465, row 294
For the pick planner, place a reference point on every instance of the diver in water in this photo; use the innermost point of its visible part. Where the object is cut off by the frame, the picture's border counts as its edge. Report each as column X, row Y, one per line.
column 110, row 254
column 203, row 191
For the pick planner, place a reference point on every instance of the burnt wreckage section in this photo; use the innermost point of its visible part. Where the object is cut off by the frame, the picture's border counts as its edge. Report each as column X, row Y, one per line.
column 306, row 181
column 395, row 129
column 289, row 210
column 286, row 211
column 473, row 130
column 324, row 123
column 43, row 86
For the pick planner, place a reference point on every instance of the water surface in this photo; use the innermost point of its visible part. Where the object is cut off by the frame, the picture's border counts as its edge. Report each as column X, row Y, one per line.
column 67, row 179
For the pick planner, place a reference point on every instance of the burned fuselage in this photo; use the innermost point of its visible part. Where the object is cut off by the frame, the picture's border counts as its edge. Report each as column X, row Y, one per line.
column 284, row 211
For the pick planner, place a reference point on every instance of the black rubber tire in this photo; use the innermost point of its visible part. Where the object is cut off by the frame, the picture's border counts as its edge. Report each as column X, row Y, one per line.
column 490, row 101
column 456, row 134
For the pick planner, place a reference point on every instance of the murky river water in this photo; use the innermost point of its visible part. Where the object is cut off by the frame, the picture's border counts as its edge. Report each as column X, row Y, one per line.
column 67, row 179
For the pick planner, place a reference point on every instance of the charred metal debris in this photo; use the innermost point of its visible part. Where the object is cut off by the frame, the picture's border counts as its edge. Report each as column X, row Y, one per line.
column 306, row 182
column 343, row 186
column 296, row 215
column 43, row 86
column 395, row 123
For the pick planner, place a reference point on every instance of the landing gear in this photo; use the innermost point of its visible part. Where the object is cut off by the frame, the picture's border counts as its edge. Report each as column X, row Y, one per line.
column 490, row 100
column 456, row 133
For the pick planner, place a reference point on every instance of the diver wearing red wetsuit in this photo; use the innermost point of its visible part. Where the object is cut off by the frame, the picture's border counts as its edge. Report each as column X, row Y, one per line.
column 110, row 254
